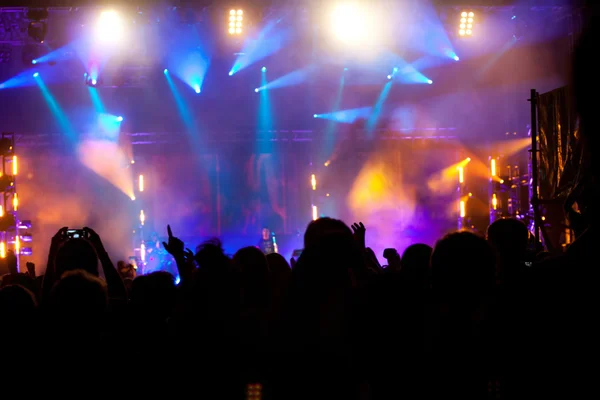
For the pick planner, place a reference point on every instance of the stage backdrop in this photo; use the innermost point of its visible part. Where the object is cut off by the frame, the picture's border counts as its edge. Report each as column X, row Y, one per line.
column 230, row 193
column 398, row 189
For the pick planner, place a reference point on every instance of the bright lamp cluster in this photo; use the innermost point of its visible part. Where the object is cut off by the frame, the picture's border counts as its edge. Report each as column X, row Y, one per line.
column 467, row 19
column 236, row 22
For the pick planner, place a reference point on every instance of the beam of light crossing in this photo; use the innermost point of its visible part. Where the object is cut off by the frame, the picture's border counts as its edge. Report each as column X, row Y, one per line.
column 377, row 109
column 265, row 116
column 95, row 96
column 60, row 116
column 189, row 60
column 272, row 38
column 330, row 130
column 346, row 116
column 293, row 78
column 185, row 114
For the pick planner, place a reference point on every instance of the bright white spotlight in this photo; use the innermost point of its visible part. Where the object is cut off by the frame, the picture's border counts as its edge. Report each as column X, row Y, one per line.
column 166, row 71
column 230, row 73
column 110, row 28
column 389, row 77
column 456, row 58
column 256, row 90
column 94, row 81
column 197, row 88
column 120, row 119
column 264, row 69
column 315, row 115
column 34, row 62
column 235, row 22
column 348, row 23
column 36, row 74
column 467, row 20
column 430, row 82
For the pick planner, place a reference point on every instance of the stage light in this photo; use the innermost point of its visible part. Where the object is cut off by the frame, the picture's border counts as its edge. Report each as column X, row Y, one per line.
column 456, row 58
column 395, row 69
column 236, row 22
column 430, row 82
column 389, row 77
column 2, row 250
column 142, row 217
column 315, row 213
column 36, row 74
column 264, row 69
column 120, row 119
column 467, row 21
column 110, row 27
column 15, row 166
column 34, row 62
column 141, row 183
column 197, row 88
column 313, row 182
column 37, row 27
column 230, row 73
column 348, row 23
column 256, row 90
column 25, row 224
column 315, row 115
column 94, row 82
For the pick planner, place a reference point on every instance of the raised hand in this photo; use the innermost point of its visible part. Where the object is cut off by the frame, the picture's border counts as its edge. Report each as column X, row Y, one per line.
column 31, row 270
column 359, row 234
column 175, row 246
column 59, row 238
column 189, row 255
column 94, row 239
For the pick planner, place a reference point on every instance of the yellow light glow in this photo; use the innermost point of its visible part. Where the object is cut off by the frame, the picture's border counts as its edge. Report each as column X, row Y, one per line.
column 2, row 250
column 15, row 202
column 315, row 213
column 15, row 167
column 142, row 217
column 493, row 167
column 327, row 163
column 313, row 182
column 1, row 211
column 462, row 209
column 141, row 183
column 231, row 12
column 240, row 12
column 494, row 201
column 461, row 175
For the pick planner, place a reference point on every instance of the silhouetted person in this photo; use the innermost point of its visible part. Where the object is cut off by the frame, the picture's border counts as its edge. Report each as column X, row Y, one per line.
column 510, row 240
column 462, row 281
column 415, row 264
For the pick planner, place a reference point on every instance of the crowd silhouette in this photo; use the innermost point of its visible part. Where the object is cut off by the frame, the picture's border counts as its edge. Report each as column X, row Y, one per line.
column 472, row 317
